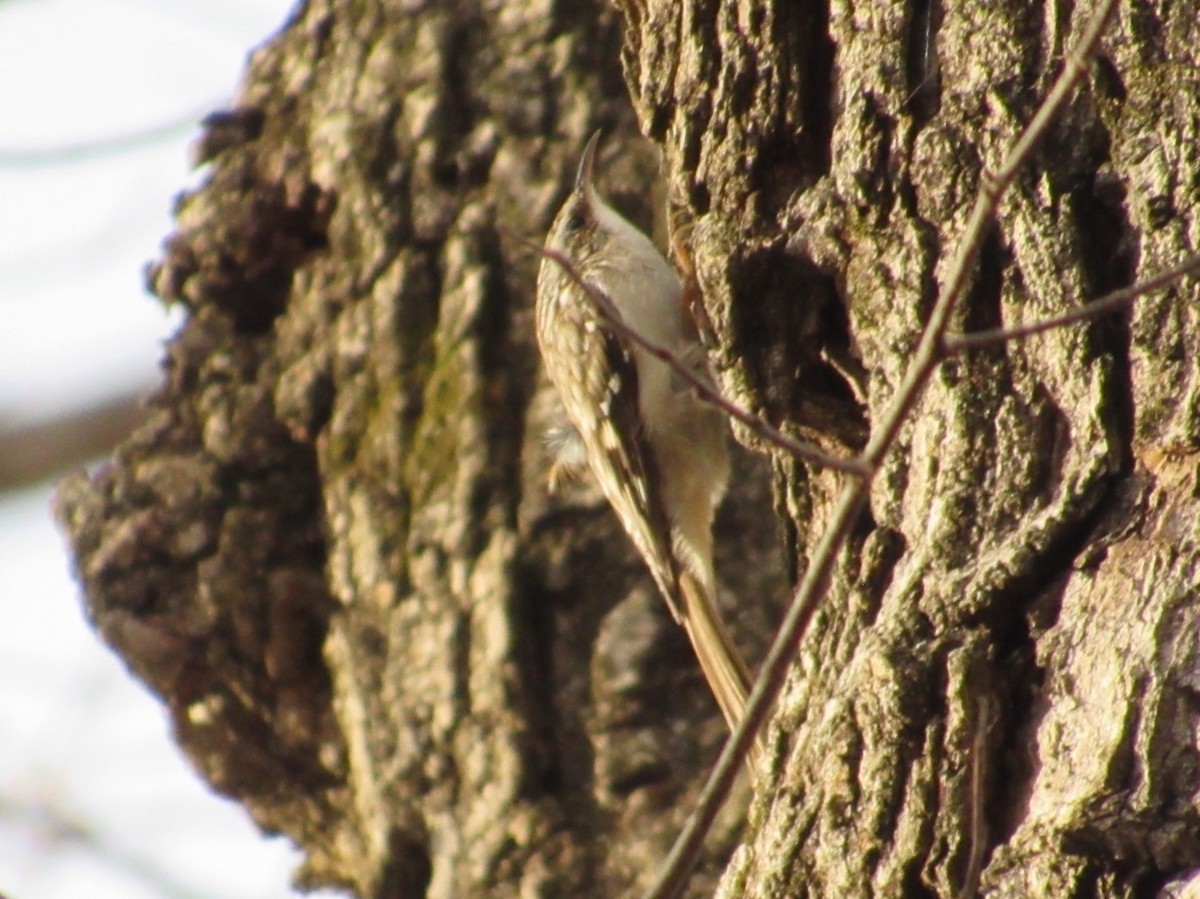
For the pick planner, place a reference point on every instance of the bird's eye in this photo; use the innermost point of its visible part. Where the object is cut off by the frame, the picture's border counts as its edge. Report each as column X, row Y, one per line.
column 577, row 220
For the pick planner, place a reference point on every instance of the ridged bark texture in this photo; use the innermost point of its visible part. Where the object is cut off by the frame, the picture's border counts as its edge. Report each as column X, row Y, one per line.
column 1006, row 664
column 332, row 553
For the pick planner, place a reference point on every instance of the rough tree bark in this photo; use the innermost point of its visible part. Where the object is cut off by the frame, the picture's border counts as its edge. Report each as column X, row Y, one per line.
column 332, row 553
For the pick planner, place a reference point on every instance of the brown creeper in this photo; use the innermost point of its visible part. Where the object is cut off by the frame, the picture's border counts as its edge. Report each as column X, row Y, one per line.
column 660, row 455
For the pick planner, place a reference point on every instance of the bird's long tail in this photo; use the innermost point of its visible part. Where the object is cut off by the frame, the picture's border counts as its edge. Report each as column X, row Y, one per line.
column 726, row 673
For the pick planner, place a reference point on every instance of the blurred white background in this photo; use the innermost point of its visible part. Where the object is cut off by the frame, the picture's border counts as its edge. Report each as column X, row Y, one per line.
column 99, row 100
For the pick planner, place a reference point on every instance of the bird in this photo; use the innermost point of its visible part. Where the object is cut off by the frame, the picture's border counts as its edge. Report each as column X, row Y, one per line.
column 658, row 452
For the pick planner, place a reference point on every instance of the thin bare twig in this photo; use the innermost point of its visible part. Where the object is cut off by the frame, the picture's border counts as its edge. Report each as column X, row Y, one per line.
column 612, row 320
column 83, row 151
column 32, row 453
column 53, row 826
column 930, row 352
column 1113, row 302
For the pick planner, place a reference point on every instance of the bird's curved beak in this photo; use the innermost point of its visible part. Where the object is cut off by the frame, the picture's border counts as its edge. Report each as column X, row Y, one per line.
column 583, row 179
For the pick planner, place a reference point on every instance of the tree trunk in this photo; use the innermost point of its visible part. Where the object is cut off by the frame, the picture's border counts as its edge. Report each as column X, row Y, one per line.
column 332, row 552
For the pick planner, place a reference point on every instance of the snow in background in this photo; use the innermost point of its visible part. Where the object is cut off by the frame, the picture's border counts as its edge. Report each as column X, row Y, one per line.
column 95, row 801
